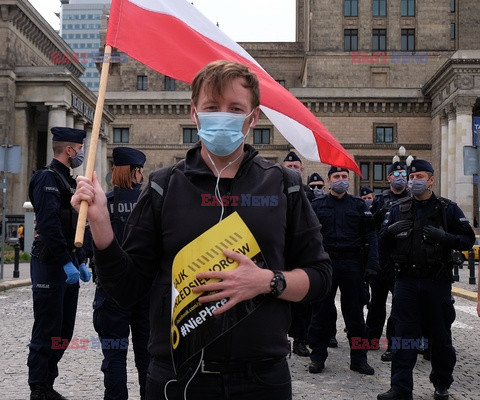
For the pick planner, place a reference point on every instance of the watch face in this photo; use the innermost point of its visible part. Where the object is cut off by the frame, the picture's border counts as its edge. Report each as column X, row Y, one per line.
column 281, row 285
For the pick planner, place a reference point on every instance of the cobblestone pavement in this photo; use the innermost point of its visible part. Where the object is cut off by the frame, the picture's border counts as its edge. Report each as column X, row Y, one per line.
column 80, row 376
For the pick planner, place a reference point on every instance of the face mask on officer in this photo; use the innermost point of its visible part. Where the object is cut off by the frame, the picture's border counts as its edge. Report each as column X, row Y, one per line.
column 418, row 187
column 221, row 132
column 317, row 192
column 340, row 186
column 399, row 182
column 77, row 159
column 368, row 202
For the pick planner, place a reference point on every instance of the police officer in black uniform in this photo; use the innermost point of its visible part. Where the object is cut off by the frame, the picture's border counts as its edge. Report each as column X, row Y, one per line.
column 300, row 312
column 421, row 233
column 351, row 241
column 384, row 281
column 367, row 195
column 112, row 322
column 55, row 266
column 315, row 187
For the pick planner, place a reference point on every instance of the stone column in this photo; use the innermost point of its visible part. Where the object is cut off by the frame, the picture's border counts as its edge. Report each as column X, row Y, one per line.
column 444, row 154
column 57, row 116
column 451, row 154
column 69, row 119
column 18, row 183
column 464, row 183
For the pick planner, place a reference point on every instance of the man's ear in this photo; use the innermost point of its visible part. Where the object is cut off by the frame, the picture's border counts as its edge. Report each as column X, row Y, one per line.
column 192, row 112
column 255, row 116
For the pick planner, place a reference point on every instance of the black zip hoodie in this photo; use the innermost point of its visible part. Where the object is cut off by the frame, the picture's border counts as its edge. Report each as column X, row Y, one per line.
column 150, row 246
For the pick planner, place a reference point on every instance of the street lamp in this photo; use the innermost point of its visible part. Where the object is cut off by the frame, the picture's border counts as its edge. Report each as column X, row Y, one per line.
column 399, row 157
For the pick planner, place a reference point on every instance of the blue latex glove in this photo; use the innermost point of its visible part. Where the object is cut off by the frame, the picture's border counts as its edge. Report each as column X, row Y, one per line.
column 85, row 274
column 72, row 273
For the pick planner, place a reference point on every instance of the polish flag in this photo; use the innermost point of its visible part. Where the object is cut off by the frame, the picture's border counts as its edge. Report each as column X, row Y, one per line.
column 175, row 39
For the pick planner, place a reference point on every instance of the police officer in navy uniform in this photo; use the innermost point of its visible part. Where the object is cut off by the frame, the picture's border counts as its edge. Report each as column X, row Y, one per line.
column 351, row 241
column 367, row 195
column 300, row 312
column 316, row 186
column 55, row 266
column 421, row 233
column 112, row 322
column 384, row 281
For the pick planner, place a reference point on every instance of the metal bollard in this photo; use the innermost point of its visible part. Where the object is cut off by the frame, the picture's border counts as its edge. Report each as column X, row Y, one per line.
column 455, row 277
column 471, row 267
column 16, row 271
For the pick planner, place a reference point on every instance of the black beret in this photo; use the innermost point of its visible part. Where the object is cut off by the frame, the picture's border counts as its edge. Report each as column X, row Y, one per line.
column 314, row 178
column 396, row 166
column 336, row 169
column 292, row 157
column 62, row 134
column 364, row 190
column 420, row 165
column 128, row 156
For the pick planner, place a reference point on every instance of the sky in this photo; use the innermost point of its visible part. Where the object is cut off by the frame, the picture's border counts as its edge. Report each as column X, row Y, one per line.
column 241, row 20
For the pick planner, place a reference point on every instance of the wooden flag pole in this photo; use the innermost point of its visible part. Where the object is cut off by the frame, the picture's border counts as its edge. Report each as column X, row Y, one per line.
column 92, row 151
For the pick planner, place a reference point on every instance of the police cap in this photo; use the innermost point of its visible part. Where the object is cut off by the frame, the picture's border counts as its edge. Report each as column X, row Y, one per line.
column 396, row 166
column 420, row 165
column 364, row 190
column 128, row 156
column 292, row 156
column 62, row 134
column 336, row 169
column 314, row 178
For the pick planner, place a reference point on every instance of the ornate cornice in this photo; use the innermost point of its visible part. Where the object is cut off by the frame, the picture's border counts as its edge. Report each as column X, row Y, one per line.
column 25, row 19
column 391, row 147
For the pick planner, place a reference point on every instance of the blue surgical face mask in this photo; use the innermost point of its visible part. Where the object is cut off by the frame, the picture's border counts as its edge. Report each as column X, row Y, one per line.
column 340, row 186
column 317, row 192
column 399, row 182
column 221, row 132
column 77, row 160
column 418, row 187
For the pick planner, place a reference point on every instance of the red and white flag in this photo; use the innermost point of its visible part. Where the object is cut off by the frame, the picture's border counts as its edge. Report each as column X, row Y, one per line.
column 175, row 39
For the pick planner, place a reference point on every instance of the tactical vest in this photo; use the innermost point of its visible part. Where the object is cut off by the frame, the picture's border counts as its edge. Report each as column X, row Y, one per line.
column 67, row 214
column 412, row 251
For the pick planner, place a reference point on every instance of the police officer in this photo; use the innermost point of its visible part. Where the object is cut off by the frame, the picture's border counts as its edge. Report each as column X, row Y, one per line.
column 293, row 162
column 350, row 238
column 316, row 186
column 367, row 195
column 112, row 322
column 384, row 281
column 421, row 233
column 300, row 312
column 55, row 266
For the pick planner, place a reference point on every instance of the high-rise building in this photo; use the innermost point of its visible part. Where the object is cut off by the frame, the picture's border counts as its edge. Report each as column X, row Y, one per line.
column 80, row 28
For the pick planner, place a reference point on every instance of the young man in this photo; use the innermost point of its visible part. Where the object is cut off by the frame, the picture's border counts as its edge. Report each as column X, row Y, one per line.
column 367, row 195
column 420, row 232
column 249, row 359
column 55, row 267
column 351, row 242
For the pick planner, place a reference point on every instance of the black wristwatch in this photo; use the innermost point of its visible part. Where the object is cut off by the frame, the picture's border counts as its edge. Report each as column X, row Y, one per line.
column 278, row 284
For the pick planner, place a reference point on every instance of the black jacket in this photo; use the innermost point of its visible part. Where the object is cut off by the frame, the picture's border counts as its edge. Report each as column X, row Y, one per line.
column 151, row 244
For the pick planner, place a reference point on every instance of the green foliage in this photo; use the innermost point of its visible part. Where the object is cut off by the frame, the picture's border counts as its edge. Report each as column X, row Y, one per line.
column 10, row 255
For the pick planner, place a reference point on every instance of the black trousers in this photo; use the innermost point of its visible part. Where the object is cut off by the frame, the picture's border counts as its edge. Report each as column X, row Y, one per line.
column 419, row 302
column 348, row 277
column 113, row 324
column 54, row 310
column 273, row 382
column 377, row 310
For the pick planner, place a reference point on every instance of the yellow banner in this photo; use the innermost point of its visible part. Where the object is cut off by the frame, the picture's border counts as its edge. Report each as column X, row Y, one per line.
column 205, row 253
